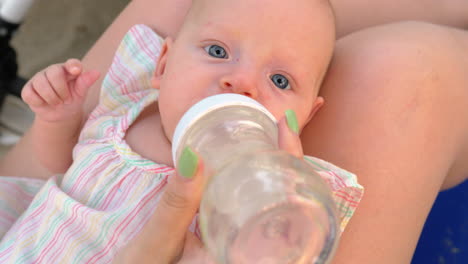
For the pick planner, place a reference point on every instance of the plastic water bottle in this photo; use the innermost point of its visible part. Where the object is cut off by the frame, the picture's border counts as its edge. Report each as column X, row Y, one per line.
column 261, row 205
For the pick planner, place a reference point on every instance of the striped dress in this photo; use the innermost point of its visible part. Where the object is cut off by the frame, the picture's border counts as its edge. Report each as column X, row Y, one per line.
column 109, row 192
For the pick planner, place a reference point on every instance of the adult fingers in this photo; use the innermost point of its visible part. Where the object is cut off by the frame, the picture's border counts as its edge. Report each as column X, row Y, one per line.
column 288, row 135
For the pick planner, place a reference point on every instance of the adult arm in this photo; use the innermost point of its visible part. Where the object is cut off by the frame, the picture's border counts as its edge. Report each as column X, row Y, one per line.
column 164, row 16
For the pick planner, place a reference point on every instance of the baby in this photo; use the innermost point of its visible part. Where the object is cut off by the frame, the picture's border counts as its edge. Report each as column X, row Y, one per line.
column 276, row 52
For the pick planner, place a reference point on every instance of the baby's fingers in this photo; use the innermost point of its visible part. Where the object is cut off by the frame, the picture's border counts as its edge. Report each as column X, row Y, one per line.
column 29, row 96
column 85, row 81
column 57, row 76
column 43, row 88
column 73, row 67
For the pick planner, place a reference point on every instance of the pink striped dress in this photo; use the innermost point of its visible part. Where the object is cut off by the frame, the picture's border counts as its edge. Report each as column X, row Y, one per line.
column 109, row 192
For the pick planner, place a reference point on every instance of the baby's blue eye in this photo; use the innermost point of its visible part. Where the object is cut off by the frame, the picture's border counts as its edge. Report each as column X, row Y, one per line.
column 280, row 81
column 216, row 51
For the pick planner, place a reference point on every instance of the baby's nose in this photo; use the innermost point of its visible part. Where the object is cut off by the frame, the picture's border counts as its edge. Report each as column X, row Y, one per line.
column 239, row 85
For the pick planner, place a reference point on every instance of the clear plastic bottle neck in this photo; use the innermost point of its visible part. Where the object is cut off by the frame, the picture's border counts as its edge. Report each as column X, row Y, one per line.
column 224, row 126
column 226, row 133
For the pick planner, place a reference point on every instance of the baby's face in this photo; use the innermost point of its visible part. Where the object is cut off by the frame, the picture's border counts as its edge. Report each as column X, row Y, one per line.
column 274, row 51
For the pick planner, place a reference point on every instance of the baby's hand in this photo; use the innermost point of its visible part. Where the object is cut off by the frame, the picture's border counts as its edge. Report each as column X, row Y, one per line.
column 58, row 92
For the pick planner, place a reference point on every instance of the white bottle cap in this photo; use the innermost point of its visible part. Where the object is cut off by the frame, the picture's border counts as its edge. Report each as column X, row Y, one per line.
column 13, row 11
column 207, row 105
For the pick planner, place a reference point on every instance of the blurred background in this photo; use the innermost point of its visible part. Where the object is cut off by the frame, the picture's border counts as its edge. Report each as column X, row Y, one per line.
column 51, row 32
column 54, row 30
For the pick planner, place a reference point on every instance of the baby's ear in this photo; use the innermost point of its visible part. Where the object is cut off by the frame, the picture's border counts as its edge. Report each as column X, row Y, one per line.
column 161, row 63
column 319, row 101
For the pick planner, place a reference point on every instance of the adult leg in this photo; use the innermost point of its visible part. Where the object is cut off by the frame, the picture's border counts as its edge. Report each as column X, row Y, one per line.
column 358, row 14
column 395, row 114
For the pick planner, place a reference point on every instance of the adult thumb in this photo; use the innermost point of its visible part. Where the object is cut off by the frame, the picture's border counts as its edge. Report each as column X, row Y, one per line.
column 178, row 206
column 164, row 237
column 184, row 189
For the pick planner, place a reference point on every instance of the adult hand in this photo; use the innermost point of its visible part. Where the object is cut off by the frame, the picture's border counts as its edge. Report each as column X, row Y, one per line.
column 165, row 238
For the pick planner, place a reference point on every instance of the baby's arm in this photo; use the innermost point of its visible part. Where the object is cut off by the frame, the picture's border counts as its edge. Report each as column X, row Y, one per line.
column 56, row 95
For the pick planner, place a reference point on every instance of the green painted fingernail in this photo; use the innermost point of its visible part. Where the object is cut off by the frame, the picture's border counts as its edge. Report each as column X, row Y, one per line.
column 292, row 120
column 188, row 162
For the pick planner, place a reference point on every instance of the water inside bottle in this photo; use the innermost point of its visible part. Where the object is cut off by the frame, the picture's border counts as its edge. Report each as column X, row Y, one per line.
column 260, row 209
column 289, row 232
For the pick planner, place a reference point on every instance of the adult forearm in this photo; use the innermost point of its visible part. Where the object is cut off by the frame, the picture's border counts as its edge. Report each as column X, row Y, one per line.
column 164, row 16
column 53, row 143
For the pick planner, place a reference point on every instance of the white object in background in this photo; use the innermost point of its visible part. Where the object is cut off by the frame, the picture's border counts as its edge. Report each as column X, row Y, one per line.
column 13, row 11
column 8, row 138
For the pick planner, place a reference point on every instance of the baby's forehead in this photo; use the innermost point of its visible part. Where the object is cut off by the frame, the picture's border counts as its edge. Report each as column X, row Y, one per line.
column 295, row 13
column 260, row 6
column 299, row 31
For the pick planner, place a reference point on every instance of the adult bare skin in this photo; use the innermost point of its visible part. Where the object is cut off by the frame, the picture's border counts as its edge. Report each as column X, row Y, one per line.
column 397, row 110
column 352, row 16
column 394, row 114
